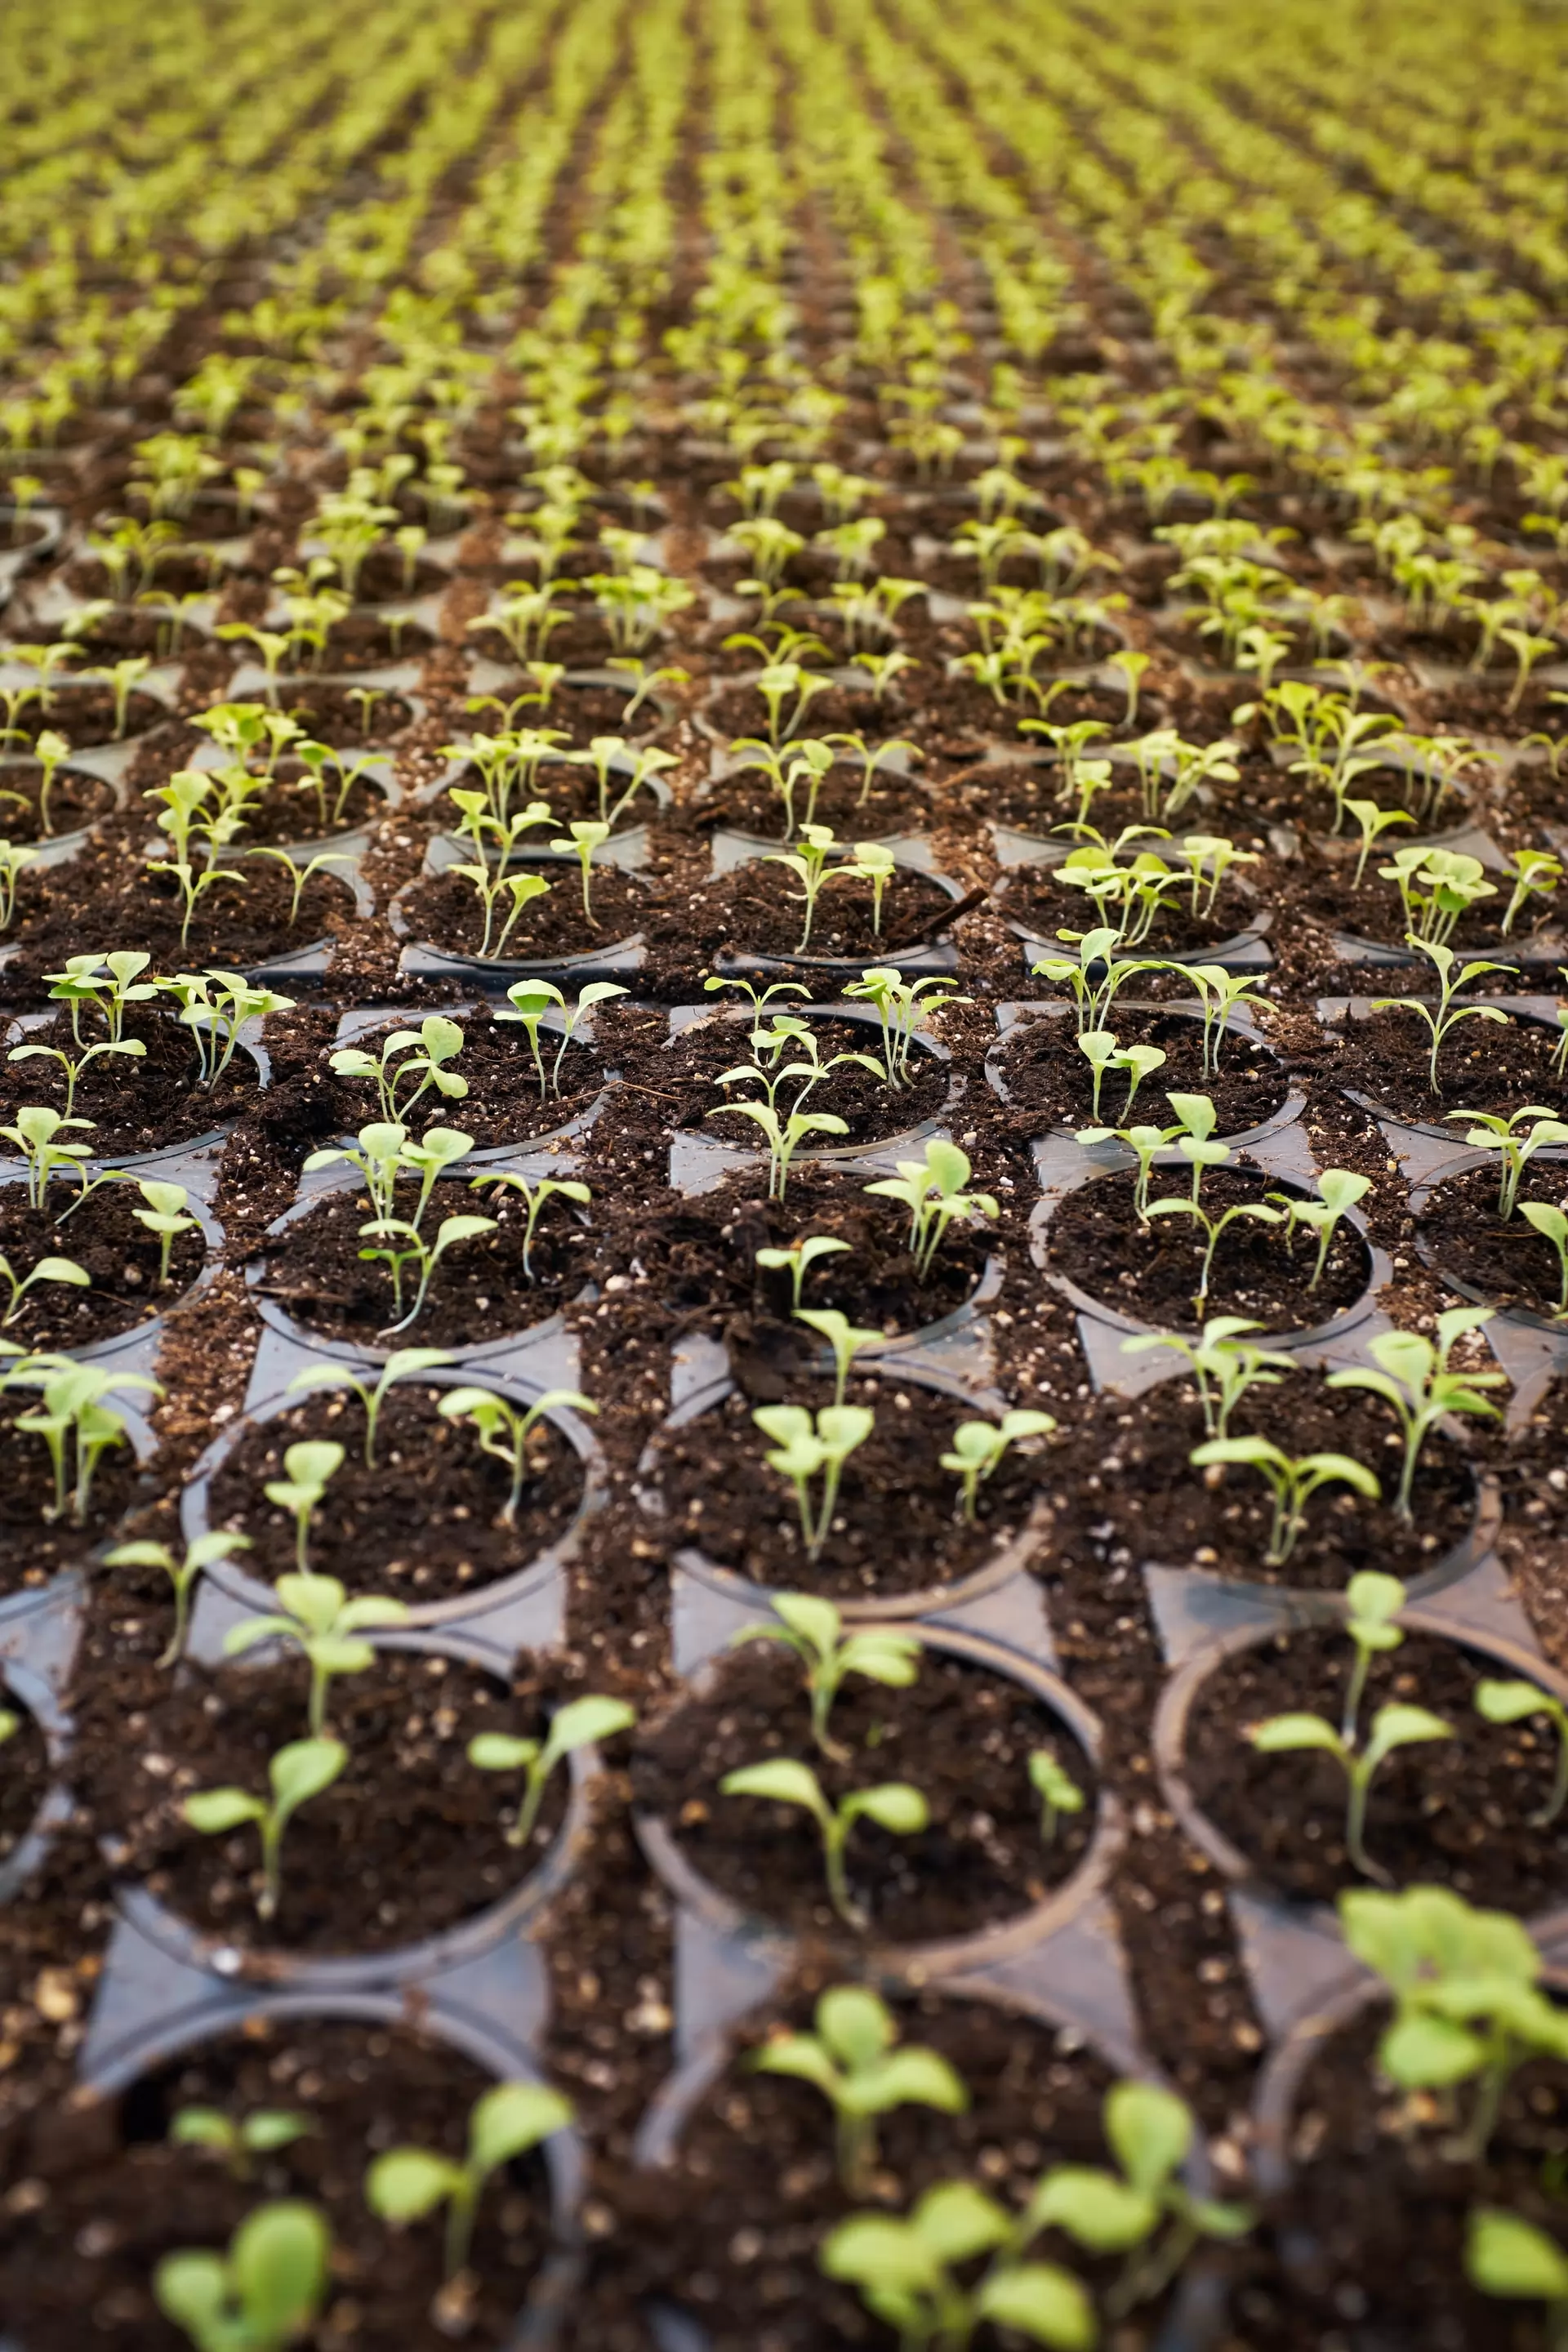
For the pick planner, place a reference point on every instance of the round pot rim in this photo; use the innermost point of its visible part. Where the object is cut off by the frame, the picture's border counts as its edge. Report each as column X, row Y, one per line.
column 34, row 1693
column 1288, row 1112
column 1465, row 1163
column 14, row 1172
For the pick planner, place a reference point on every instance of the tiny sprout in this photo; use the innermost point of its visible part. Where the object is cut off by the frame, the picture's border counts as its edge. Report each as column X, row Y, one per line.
column 845, row 1339
column 298, row 1772
column 804, row 1448
column 932, row 1190
column 203, row 1552
column 1516, row 1702
column 1339, row 1189
column 814, row 1629
column 893, row 1805
column 1551, row 1220
column 1224, row 1365
column 1514, row 1150
column 852, row 2060
column 535, row 1195
column 978, row 1447
column 308, row 1467
column 164, row 1215
column 577, row 1725
column 503, row 1431
column 260, row 2296
column 1509, row 2258
column 260, row 2134
column 797, row 1258
column 1412, row 1374
column 1393, row 1728
column 904, row 2268
column 399, row 1365
column 1057, row 1790
column 321, row 1621
column 1293, row 1479
column 1374, row 1605
column 47, row 1270
column 409, row 2182
column 584, row 837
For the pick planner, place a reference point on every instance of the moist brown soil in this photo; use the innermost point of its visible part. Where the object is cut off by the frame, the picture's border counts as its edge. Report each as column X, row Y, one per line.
column 504, row 1104
column 1505, row 1261
column 120, row 1255
column 406, row 1843
column 383, row 579
column 1152, row 1270
column 1450, row 1812
column 573, row 794
column 759, row 912
column 448, row 912
column 1043, row 1073
column 582, row 644
column 76, row 799
column 1378, row 2201
column 328, row 714
column 26, row 1774
column 107, row 895
column 289, row 809
column 578, row 713
column 731, row 2229
column 1375, row 911
column 699, row 1255
column 749, row 803
column 34, row 1548
column 477, row 1292
column 111, row 2194
column 85, row 715
column 896, row 1528
column 870, row 1110
column 1044, row 905
column 1482, row 1065
column 135, row 1103
column 960, row 1735
column 1166, row 1512
column 367, row 641
column 425, row 1523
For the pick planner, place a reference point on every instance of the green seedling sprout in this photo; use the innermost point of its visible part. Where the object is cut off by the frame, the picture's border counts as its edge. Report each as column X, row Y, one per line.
column 854, row 2060
column 73, row 1065
column 1535, row 874
column 1220, row 993
column 10, row 1725
column 581, row 841
column 536, row 1198
column 905, row 2270
column 319, row 1619
column 297, row 1773
column 215, row 1006
column 875, row 863
column 417, row 1056
column 1095, row 973
column 531, row 1001
column 893, row 1805
column 73, row 1414
column 504, row 2124
column 1443, row 1019
column 308, row 1467
column 845, row 1339
column 814, row 1629
column 164, row 1214
column 398, row 1243
column 503, row 1431
column 1339, row 1191
column 798, row 1259
column 932, row 1190
column 301, row 875
column 47, row 1270
column 400, row 1365
column 576, row 1724
column 521, row 888
column 1550, row 1222
column 201, row 1553
column 1373, row 824
column 804, row 1447
column 14, row 859
column 1292, row 1480
column 979, row 1446
column 51, row 750
column 1213, row 1228
column 1393, row 1728
column 809, row 863
column 1515, row 1152
column 900, row 1005
column 1518, row 1702
column 1508, row 2257
column 785, row 1137
column 261, row 2132
column 263, row 2294
column 1057, row 1790
column 1224, row 1365
column 1412, row 1374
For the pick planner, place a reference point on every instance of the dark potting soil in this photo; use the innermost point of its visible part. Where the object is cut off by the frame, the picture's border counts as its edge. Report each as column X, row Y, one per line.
column 103, row 1236
column 337, row 714
column 34, row 1547
column 700, row 1254
column 1043, row 1071
column 1504, row 1261
column 291, row 809
column 961, row 1734
column 424, row 1524
column 748, row 801
column 1044, row 905
column 407, row 1842
column 897, row 1527
column 479, row 1290
column 1151, row 1503
column 76, row 799
column 1152, row 1270
column 24, row 1773
column 86, row 715
column 446, row 911
column 384, row 578
column 1452, row 1812
column 368, row 641
column 504, row 1104
column 761, row 911
column 1376, row 910
column 112, row 2194
column 136, row 1103
column 733, row 2228
column 572, row 793
column 871, row 1109
column 1383, row 2206
column 1482, row 1065
column 106, row 895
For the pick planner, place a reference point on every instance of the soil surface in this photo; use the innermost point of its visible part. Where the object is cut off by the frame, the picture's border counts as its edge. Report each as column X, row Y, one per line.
column 76, row 799
column 872, row 1111
column 504, row 1102
column 1482, row 1065
column 1502, row 1260
column 34, row 1546
column 1042, row 1069
column 448, row 912
column 136, row 1103
column 104, row 1238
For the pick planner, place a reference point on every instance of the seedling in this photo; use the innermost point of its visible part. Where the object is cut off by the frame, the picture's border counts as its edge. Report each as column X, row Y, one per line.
column 521, row 888
column 406, row 2183
column 47, row 1270
column 905, row 2269
column 14, row 858
column 307, row 1467
column 1443, row 1018
column 416, row 1058
column 74, row 1415
column 1535, row 875
column 532, row 1000
column 814, row 1629
column 1393, row 1728
column 845, row 1339
column 805, row 1448
column 785, row 1137
column 798, row 1259
column 1551, row 1222
column 1516, row 1702
column 1509, row 2258
column 1372, row 823
column 932, row 1190
column 1412, row 1374
column 1339, row 1190
column 263, row 2294
column 852, row 2059
column 203, row 1552
column 536, row 1197
column 400, row 1365
column 73, row 1065
column 1213, row 1228
column 576, row 1724
column 583, row 839
column 296, row 1774
column 979, row 1446
column 1057, row 1790
column 893, row 1805
column 1292, row 1480
column 259, row 2134
column 900, row 1004
column 1515, row 1152
column 164, row 1214
column 1224, row 1365
column 319, row 1619
column 1220, row 993
column 503, row 1431
column 215, row 1015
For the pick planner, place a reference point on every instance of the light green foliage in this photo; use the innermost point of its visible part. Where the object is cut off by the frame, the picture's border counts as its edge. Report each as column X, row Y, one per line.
column 805, row 1448
column 317, row 1617
column 893, row 1805
column 854, row 2058
column 295, row 1774
column 504, row 2124
column 813, row 1627
column 183, row 1573
column 578, row 1724
column 1411, row 1373
column 503, row 1428
column 260, row 2296
column 979, row 1447
column 261, row 2132
column 932, row 1190
column 1293, row 1479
